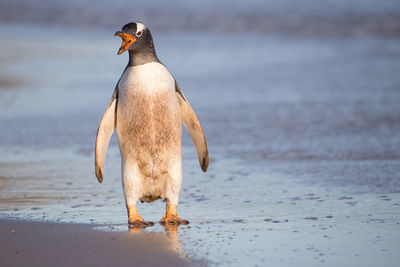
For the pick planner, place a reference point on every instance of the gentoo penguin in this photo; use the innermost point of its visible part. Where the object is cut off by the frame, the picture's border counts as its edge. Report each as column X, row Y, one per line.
column 147, row 108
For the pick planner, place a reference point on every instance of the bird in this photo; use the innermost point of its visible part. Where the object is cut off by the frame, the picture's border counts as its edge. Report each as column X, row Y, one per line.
column 147, row 109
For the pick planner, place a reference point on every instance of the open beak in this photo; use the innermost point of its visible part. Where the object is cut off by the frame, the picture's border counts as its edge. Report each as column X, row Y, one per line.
column 127, row 40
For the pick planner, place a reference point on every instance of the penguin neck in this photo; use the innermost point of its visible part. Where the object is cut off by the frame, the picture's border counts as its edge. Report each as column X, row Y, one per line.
column 142, row 57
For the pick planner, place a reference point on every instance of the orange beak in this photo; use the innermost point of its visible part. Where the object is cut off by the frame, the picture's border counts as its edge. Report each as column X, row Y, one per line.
column 127, row 40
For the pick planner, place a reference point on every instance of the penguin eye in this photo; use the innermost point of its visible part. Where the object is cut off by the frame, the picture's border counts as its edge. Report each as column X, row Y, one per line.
column 139, row 33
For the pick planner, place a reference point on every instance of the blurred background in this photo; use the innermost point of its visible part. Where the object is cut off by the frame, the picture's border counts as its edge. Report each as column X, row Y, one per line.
column 299, row 101
column 301, row 18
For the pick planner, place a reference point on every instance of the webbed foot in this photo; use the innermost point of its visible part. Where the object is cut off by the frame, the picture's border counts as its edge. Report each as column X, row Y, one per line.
column 171, row 216
column 173, row 220
column 139, row 224
column 135, row 220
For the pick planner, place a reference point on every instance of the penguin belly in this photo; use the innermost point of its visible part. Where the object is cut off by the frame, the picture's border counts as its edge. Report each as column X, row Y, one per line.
column 149, row 133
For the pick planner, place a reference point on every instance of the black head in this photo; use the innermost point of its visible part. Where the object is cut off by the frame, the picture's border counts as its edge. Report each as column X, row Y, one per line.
column 136, row 38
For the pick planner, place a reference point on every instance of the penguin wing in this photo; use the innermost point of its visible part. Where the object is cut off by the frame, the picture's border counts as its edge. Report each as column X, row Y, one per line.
column 104, row 133
column 193, row 125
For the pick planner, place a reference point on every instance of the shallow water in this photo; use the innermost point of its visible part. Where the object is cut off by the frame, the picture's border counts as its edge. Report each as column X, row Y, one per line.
column 303, row 136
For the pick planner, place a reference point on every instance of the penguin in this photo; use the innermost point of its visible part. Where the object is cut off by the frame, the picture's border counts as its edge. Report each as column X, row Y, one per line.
column 147, row 109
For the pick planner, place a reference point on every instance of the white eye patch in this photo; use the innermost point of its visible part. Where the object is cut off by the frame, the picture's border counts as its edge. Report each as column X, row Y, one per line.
column 140, row 27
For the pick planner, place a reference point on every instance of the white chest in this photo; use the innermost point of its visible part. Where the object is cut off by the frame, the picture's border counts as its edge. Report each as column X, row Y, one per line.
column 149, row 79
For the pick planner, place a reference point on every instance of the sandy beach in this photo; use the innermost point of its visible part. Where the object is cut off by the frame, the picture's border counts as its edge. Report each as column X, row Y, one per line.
column 48, row 244
column 301, row 115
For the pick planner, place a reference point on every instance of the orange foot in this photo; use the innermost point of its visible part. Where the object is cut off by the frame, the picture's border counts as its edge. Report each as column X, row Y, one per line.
column 136, row 221
column 139, row 224
column 173, row 220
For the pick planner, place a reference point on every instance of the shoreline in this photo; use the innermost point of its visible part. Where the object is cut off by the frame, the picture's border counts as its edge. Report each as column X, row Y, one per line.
column 31, row 243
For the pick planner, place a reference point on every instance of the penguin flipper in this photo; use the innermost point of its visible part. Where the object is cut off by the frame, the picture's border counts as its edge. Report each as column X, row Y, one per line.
column 104, row 133
column 193, row 125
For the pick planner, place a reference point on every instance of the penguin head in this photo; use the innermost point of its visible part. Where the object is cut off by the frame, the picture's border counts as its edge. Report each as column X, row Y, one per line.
column 136, row 37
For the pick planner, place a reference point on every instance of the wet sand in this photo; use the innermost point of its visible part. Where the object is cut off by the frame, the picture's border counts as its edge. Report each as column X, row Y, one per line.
column 25, row 243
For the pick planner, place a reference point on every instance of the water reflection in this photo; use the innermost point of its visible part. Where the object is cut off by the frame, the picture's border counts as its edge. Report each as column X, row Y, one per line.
column 171, row 232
